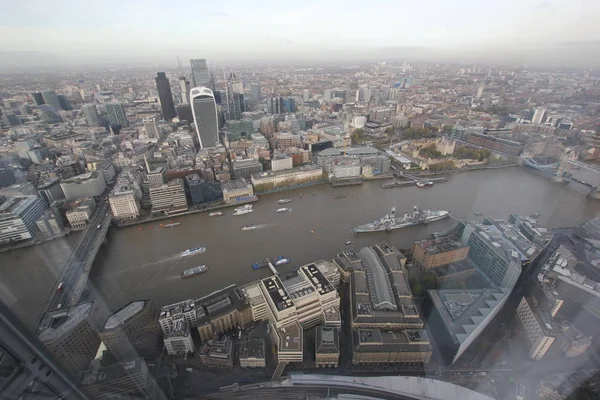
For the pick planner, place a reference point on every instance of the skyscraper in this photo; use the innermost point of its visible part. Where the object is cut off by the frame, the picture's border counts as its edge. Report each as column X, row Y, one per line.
column 64, row 102
column 184, row 85
column 165, row 96
column 116, row 114
column 255, row 92
column 91, row 115
column 204, row 110
column 539, row 116
column 38, row 98
column 200, row 74
column 51, row 99
column 275, row 105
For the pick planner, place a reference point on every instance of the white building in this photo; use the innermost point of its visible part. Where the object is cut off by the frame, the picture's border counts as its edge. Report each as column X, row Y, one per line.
column 346, row 171
column 18, row 216
column 288, row 340
column 179, row 340
column 80, row 216
column 538, row 327
column 281, row 162
column 306, row 173
column 90, row 184
column 539, row 116
column 123, row 203
column 256, row 299
column 183, row 310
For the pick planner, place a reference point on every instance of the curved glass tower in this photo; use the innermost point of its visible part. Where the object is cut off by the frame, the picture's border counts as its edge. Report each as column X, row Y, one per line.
column 204, row 109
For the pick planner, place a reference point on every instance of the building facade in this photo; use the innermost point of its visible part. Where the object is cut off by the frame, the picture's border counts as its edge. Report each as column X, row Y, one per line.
column 432, row 253
column 165, row 96
column 79, row 217
column 18, row 216
column 90, row 184
column 236, row 190
column 537, row 325
column 206, row 120
column 327, row 347
column 116, row 114
column 169, row 197
column 178, row 340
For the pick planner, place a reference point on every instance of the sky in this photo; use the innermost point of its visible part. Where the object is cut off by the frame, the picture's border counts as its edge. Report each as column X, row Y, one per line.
column 158, row 30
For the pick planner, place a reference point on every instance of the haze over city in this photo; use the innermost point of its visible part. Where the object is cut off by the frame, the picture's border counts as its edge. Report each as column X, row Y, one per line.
column 38, row 33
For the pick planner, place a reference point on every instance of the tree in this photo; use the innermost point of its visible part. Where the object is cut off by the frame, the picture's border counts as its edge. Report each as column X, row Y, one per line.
column 417, row 289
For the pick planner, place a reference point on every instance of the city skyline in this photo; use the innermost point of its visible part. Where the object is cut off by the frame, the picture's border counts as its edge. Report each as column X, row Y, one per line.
column 540, row 32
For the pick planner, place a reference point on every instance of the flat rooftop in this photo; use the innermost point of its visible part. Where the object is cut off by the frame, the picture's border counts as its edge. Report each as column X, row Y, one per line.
column 286, row 172
column 317, row 279
column 236, row 184
column 374, row 340
column 290, row 338
column 58, row 322
column 253, row 348
column 124, row 314
column 276, row 291
column 440, row 245
column 327, row 340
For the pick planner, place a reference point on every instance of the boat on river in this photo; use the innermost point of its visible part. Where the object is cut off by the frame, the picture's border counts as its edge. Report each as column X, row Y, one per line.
column 390, row 221
column 193, row 271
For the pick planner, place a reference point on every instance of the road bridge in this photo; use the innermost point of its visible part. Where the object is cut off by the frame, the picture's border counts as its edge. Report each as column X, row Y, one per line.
column 74, row 275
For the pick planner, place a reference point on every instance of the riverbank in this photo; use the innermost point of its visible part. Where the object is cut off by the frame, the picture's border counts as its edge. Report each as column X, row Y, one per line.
column 41, row 238
column 475, row 168
column 299, row 186
column 214, row 207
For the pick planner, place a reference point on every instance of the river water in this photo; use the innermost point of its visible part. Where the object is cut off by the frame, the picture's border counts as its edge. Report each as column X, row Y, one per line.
column 136, row 264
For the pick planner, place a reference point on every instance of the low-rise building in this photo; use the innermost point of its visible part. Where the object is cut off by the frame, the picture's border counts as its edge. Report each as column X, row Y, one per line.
column 168, row 197
column 123, row 203
column 281, row 162
column 573, row 342
column 174, row 312
column 252, row 354
column 433, row 253
column 372, row 346
column 537, row 325
column 327, row 347
column 178, row 340
column 273, row 179
column 236, row 190
column 80, row 216
column 217, row 353
column 245, row 168
column 90, row 184
column 220, row 311
column 289, row 342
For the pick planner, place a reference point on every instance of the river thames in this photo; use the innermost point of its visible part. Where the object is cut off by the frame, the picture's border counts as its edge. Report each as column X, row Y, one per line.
column 136, row 264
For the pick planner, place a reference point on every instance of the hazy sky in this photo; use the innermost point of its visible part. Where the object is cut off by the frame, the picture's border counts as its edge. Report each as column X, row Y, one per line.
column 228, row 30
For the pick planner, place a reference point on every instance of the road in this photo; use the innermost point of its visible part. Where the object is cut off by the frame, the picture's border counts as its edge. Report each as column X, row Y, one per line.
column 76, row 270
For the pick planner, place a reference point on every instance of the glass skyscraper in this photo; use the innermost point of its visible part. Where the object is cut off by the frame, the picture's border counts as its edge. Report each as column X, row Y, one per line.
column 165, row 96
column 51, row 99
column 91, row 115
column 116, row 114
column 204, row 110
column 200, row 74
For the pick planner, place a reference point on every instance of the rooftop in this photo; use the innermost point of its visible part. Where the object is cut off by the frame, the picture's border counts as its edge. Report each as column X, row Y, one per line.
column 124, row 314
column 463, row 310
column 327, row 340
column 180, row 329
column 290, row 338
column 317, row 279
column 286, row 172
column 15, row 205
column 58, row 322
column 374, row 340
column 380, row 288
column 235, row 184
column 81, row 178
column 253, row 348
column 278, row 294
column 440, row 244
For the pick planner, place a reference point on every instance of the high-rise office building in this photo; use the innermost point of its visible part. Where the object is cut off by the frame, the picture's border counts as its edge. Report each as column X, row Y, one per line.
column 275, row 105
column 184, row 85
column 165, row 96
column 91, row 115
column 38, row 98
column 47, row 114
column 51, row 99
column 200, row 74
column 64, row 102
column 255, row 92
column 206, row 121
column 539, row 116
column 116, row 114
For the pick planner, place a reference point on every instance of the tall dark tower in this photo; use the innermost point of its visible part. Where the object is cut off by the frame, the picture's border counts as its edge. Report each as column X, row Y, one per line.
column 165, row 96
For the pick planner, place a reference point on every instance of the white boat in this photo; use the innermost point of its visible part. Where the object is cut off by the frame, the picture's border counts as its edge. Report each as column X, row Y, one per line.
column 348, row 242
column 280, row 210
column 243, row 210
column 284, row 201
column 281, row 261
column 215, row 214
column 249, row 228
column 424, row 184
column 193, row 251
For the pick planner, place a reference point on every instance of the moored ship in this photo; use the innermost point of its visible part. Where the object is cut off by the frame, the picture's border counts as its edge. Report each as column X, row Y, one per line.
column 424, row 184
column 390, row 221
column 273, row 260
column 193, row 271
